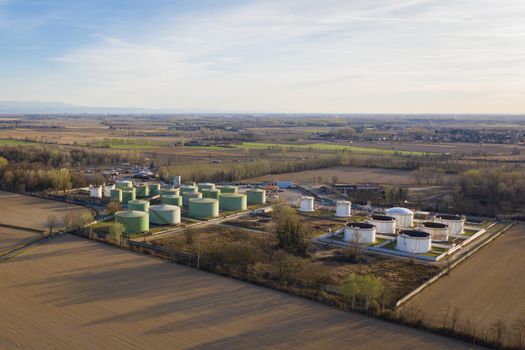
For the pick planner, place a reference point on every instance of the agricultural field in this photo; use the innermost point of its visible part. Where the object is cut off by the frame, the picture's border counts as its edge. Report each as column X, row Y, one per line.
column 464, row 148
column 345, row 174
column 32, row 212
column 71, row 293
column 13, row 237
column 487, row 287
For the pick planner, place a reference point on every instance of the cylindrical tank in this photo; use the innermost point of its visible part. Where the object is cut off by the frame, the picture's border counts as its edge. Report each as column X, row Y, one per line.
column 177, row 181
column 154, row 189
column 188, row 189
column 205, row 186
column 203, row 208
column 359, row 232
column 133, row 221
column 170, row 191
column 438, row 231
column 142, row 191
column 116, row 195
column 384, row 224
column 95, row 192
column 414, row 241
column 138, row 204
column 128, row 195
column 307, row 204
column 107, row 190
column 123, row 184
column 404, row 217
column 232, row 201
column 211, row 193
column 164, row 214
column 343, row 209
column 171, row 199
column 256, row 196
column 229, row 189
column 455, row 222
column 186, row 196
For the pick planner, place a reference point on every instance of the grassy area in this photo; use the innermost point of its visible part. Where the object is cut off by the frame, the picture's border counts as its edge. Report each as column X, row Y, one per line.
column 469, row 233
column 391, row 245
column 378, row 242
column 11, row 142
column 327, row 147
column 439, row 250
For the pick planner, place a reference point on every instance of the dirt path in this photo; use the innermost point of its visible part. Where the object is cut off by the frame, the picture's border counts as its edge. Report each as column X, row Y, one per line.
column 72, row 293
column 488, row 286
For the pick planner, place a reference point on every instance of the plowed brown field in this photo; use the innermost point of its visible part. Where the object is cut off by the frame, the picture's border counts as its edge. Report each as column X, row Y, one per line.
column 72, row 293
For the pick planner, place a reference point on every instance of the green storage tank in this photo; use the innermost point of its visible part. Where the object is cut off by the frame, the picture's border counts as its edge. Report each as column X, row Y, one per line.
column 256, row 196
column 214, row 194
column 139, row 205
column 228, row 189
column 187, row 196
column 189, row 189
column 203, row 208
column 124, row 184
column 142, row 191
column 170, row 191
column 154, row 189
column 232, row 201
column 116, row 195
column 171, row 199
column 205, row 186
column 128, row 195
column 164, row 214
column 133, row 221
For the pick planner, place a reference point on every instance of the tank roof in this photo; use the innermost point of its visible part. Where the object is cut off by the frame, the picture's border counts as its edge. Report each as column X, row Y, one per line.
column 164, row 207
column 203, row 200
column 449, row 217
column 399, row 211
column 415, row 233
column 171, row 196
column 236, row 195
column 383, row 218
column 359, row 225
column 434, row 224
column 131, row 214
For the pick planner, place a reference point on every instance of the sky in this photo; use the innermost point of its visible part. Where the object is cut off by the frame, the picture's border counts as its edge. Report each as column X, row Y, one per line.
column 290, row 56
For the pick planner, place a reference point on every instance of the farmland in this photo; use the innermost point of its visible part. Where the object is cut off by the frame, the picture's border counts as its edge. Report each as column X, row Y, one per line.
column 13, row 237
column 72, row 293
column 346, row 174
column 32, row 212
column 486, row 288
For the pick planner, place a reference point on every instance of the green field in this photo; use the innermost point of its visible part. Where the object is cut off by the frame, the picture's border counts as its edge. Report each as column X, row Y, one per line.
column 327, row 147
column 10, row 142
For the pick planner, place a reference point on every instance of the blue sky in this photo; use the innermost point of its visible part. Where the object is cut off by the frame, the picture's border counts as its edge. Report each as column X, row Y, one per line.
column 351, row 56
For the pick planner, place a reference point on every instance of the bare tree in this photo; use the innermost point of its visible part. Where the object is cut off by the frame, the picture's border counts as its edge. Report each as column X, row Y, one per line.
column 51, row 223
column 116, row 230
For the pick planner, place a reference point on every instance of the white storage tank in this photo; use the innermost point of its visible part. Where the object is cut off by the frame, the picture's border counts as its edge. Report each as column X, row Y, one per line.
column 404, row 217
column 107, row 190
column 95, row 192
column 343, row 209
column 384, row 224
column 176, row 181
column 360, row 232
column 414, row 241
column 438, row 231
column 307, row 204
column 455, row 222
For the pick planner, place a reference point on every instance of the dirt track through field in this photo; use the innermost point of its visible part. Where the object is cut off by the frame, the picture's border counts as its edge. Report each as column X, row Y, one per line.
column 72, row 293
column 488, row 286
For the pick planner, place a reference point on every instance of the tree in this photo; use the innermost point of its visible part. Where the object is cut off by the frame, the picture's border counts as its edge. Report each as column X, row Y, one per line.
column 290, row 233
column 363, row 287
column 113, row 207
column 116, row 230
column 51, row 222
